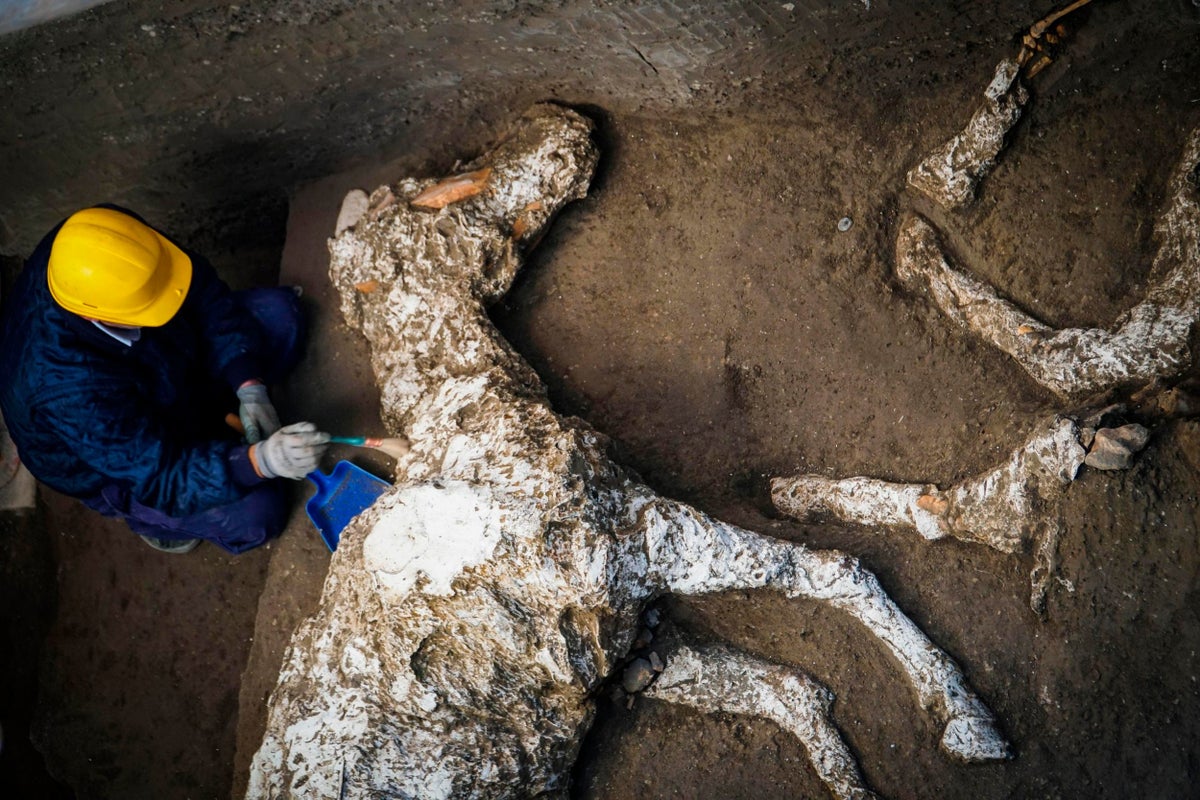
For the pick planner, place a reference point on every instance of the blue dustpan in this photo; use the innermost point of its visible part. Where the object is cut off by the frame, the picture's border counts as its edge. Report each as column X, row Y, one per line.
column 341, row 496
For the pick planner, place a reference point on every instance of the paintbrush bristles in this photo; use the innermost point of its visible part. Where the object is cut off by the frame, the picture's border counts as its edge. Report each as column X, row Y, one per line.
column 393, row 447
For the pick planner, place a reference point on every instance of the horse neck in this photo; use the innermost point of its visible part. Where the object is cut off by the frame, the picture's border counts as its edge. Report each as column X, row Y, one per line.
column 435, row 335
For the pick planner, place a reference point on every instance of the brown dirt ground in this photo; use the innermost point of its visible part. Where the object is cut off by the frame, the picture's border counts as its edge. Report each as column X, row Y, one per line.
column 701, row 308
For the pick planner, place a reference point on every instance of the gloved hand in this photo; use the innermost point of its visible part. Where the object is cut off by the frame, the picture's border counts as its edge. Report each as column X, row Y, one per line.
column 258, row 416
column 291, row 452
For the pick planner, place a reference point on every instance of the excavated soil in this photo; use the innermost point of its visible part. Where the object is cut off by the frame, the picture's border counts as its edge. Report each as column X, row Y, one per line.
column 703, row 309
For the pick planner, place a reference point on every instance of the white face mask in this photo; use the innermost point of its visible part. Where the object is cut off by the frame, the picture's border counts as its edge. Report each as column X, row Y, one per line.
column 125, row 334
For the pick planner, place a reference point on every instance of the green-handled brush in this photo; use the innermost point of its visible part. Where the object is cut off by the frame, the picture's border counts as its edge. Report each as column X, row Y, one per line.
column 394, row 447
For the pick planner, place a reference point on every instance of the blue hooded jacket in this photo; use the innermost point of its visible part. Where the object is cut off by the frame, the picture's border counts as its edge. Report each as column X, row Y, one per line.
column 86, row 411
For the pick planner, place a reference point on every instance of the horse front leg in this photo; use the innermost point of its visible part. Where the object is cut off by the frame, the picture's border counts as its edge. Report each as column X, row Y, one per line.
column 1150, row 342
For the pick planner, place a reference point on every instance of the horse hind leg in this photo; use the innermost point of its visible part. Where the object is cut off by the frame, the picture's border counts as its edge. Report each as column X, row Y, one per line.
column 715, row 678
column 691, row 553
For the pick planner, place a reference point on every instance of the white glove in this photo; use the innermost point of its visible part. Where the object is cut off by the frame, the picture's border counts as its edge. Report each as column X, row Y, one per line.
column 258, row 416
column 291, row 452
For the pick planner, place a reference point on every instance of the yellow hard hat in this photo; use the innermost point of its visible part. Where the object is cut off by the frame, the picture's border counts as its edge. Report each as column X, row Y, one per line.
column 108, row 266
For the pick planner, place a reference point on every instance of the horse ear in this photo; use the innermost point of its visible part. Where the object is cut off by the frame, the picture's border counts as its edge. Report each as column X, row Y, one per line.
column 354, row 207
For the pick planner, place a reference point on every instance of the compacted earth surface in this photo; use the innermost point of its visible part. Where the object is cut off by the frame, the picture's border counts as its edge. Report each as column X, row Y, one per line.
column 703, row 307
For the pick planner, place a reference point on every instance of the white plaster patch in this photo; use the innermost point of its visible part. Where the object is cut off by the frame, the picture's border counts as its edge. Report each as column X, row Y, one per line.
column 430, row 535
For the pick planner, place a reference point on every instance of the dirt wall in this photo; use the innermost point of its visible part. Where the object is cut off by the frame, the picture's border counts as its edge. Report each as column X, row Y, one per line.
column 205, row 115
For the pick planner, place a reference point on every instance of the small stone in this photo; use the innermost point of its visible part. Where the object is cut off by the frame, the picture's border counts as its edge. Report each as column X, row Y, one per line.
column 644, row 638
column 844, row 224
column 638, row 675
column 1113, row 448
column 1108, row 456
column 652, row 618
column 656, row 663
column 1087, row 436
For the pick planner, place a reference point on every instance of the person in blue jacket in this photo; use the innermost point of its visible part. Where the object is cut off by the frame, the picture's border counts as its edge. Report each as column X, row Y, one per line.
column 121, row 355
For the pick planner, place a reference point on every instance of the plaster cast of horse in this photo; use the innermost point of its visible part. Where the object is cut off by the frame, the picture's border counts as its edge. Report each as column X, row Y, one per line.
column 471, row 615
